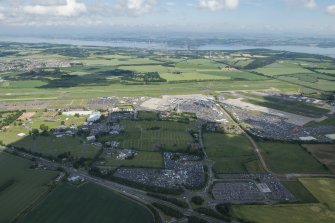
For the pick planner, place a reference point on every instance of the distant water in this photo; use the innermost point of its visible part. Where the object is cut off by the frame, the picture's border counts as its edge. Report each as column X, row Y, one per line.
column 161, row 46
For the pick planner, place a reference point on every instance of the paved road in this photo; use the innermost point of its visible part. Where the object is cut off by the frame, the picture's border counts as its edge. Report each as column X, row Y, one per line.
column 133, row 193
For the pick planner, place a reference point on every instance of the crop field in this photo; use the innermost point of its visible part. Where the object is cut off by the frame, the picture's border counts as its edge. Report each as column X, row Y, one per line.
column 67, row 204
column 322, row 188
column 290, row 158
column 142, row 159
column 231, row 153
column 155, row 135
column 300, row 191
column 52, row 146
column 324, row 153
column 20, row 186
column 281, row 69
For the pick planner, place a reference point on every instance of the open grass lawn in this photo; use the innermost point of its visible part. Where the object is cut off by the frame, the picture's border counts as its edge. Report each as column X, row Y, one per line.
column 290, row 158
column 86, row 204
column 322, row 188
column 20, row 186
column 324, row 153
column 52, row 146
column 10, row 135
column 147, row 115
column 53, row 120
column 320, row 84
column 236, row 75
column 326, row 71
column 22, row 84
column 231, row 153
column 155, row 135
column 142, row 159
column 198, row 64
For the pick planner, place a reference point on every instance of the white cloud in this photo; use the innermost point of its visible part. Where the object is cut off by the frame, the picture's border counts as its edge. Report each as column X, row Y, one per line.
column 2, row 16
column 136, row 7
column 70, row 8
column 331, row 9
column 311, row 4
column 216, row 5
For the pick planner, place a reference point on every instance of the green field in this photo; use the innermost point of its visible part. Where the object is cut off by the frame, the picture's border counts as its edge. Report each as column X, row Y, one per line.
column 300, row 191
column 322, row 189
column 282, row 69
column 290, row 158
column 328, row 121
column 236, row 75
column 294, row 107
column 327, row 71
column 20, row 186
column 155, row 135
column 53, row 120
column 142, row 159
column 52, row 146
column 231, row 153
column 147, row 115
column 87, row 203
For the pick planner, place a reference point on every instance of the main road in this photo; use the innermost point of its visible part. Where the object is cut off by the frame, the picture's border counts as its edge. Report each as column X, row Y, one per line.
column 133, row 193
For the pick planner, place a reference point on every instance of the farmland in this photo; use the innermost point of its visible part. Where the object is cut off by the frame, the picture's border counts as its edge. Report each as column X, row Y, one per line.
column 322, row 189
column 121, row 71
column 290, row 158
column 300, row 191
column 160, row 111
column 231, row 153
column 52, row 146
column 155, row 135
column 20, row 186
column 324, row 153
column 68, row 203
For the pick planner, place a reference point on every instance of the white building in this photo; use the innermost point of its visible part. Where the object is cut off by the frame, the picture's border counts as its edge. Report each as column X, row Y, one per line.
column 73, row 113
column 91, row 138
column 94, row 117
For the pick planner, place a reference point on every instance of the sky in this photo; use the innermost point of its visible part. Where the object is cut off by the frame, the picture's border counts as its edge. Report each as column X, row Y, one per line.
column 312, row 17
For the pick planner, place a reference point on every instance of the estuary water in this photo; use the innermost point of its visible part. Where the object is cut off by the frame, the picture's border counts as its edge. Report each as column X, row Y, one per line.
column 162, row 46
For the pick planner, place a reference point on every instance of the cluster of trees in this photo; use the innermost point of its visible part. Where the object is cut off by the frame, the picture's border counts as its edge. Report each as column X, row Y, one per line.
column 261, row 62
column 7, row 118
column 197, row 200
column 69, row 51
column 143, row 77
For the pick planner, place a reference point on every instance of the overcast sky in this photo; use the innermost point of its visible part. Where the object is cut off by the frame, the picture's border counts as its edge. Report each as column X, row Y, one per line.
column 295, row 16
